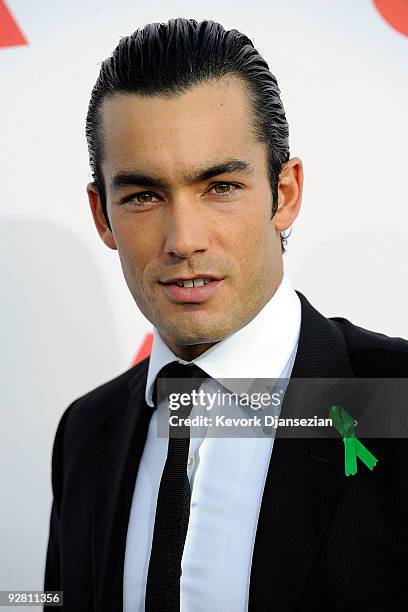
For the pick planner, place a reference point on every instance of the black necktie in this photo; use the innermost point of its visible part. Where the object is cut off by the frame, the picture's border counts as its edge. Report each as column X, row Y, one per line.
column 173, row 502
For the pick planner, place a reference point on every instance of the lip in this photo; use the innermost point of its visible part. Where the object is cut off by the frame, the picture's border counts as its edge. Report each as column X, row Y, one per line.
column 192, row 295
column 178, row 279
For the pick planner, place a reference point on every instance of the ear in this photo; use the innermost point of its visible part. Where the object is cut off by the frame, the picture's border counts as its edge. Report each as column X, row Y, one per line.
column 99, row 217
column 290, row 190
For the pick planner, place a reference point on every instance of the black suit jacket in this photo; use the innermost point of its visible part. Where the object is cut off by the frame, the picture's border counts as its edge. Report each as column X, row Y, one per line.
column 323, row 541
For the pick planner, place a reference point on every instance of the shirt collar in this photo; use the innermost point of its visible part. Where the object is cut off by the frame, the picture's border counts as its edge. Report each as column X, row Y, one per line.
column 259, row 349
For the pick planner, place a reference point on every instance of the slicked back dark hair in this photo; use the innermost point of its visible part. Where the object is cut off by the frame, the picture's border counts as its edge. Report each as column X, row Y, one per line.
column 168, row 59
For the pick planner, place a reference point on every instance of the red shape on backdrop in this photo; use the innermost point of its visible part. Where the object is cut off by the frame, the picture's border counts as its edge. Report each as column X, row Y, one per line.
column 144, row 350
column 10, row 33
column 395, row 13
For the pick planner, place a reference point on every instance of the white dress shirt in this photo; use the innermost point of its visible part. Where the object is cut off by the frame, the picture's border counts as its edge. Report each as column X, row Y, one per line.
column 227, row 475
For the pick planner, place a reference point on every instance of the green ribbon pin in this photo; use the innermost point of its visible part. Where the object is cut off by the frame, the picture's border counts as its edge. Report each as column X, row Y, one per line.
column 344, row 423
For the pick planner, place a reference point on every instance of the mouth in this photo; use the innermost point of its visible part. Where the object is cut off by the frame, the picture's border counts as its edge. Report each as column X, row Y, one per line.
column 192, row 290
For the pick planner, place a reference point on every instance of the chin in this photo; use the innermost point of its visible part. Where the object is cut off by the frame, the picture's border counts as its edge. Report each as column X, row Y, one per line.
column 193, row 334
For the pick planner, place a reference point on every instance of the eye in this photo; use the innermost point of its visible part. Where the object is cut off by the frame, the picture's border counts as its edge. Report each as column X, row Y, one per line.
column 140, row 199
column 225, row 189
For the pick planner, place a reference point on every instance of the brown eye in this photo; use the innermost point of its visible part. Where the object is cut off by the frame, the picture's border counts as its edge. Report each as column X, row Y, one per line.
column 140, row 199
column 145, row 197
column 224, row 187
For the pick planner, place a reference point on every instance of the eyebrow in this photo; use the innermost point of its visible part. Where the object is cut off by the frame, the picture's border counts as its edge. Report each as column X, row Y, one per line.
column 126, row 178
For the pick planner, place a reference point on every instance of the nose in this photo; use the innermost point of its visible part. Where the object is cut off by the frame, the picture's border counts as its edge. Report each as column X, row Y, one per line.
column 186, row 229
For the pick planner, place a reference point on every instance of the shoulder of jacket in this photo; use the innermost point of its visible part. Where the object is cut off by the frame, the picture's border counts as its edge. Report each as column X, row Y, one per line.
column 374, row 353
column 107, row 397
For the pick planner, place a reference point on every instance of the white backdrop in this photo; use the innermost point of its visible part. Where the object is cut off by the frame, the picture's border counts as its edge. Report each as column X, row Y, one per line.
column 68, row 321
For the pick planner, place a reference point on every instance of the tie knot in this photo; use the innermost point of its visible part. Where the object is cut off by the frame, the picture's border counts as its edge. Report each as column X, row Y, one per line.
column 175, row 369
column 192, row 377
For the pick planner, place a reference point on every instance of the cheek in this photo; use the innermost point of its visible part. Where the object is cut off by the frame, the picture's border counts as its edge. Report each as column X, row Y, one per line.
column 134, row 248
column 253, row 241
column 133, row 238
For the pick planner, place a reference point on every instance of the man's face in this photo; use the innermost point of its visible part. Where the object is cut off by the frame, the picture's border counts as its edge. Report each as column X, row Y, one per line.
column 173, row 219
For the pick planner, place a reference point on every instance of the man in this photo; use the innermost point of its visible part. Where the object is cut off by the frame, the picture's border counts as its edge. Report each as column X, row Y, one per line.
column 188, row 144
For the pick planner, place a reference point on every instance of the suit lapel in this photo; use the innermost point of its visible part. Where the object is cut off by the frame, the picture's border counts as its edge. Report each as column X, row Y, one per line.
column 304, row 480
column 119, row 445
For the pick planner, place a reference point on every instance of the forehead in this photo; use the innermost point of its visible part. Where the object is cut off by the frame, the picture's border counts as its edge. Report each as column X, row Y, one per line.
column 212, row 120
